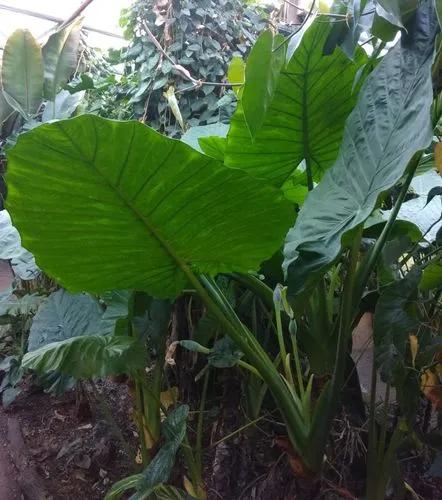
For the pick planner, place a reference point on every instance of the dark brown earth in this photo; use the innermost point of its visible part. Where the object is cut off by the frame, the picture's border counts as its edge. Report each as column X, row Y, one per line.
column 69, row 452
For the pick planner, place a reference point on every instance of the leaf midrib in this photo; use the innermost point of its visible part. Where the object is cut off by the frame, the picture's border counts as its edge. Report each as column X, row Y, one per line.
column 148, row 226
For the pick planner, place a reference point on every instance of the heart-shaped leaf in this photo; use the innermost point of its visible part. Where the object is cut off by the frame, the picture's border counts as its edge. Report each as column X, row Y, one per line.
column 115, row 205
column 305, row 119
column 87, row 356
column 390, row 122
column 63, row 316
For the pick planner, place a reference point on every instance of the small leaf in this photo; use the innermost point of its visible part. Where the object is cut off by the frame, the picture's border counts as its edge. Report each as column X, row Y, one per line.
column 436, row 191
column 224, row 354
column 158, row 471
column 63, row 316
column 88, row 356
column 393, row 324
column 194, row 134
column 63, row 107
column 236, row 73
column 391, row 11
column 169, row 398
column 432, row 275
column 432, row 389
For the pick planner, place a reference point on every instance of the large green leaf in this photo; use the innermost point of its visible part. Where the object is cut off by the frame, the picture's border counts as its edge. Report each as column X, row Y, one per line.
column 115, row 205
column 22, row 72
column 60, row 54
column 390, row 122
column 158, row 471
column 305, row 120
column 264, row 65
column 88, row 356
column 63, row 316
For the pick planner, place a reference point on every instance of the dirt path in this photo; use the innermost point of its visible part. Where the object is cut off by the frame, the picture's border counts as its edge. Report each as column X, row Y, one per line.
column 9, row 488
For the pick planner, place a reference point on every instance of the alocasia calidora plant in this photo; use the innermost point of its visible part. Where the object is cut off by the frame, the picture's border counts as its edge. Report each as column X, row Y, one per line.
column 114, row 205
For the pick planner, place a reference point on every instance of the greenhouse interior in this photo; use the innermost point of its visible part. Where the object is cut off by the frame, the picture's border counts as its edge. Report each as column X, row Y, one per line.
column 221, row 249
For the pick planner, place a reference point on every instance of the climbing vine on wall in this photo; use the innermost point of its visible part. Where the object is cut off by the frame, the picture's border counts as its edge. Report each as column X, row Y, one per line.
column 202, row 36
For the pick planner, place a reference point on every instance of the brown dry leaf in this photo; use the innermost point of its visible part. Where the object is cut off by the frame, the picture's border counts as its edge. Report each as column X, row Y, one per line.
column 148, row 438
column 438, row 156
column 414, row 347
column 432, row 389
column 169, row 398
column 188, row 486
column 170, row 353
column 138, row 457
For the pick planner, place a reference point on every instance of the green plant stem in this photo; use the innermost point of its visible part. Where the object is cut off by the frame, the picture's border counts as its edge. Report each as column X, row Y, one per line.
column 297, row 365
column 199, row 427
column 249, row 367
column 372, row 456
column 257, row 286
column 329, row 399
column 373, row 256
column 346, row 317
column 383, row 435
column 237, row 431
column 194, row 470
column 258, row 358
column 140, row 423
column 281, row 343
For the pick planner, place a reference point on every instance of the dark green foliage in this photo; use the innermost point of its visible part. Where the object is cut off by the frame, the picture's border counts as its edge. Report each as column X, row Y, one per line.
column 394, row 321
column 63, row 316
column 389, row 124
column 198, row 38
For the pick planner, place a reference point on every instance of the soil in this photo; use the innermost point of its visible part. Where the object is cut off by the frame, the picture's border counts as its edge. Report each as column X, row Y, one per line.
column 69, row 452
column 69, row 446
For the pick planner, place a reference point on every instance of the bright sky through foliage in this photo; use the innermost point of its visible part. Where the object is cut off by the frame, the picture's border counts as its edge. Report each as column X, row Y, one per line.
column 101, row 14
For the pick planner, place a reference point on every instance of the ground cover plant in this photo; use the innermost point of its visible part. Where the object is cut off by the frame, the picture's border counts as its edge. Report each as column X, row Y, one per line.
column 258, row 249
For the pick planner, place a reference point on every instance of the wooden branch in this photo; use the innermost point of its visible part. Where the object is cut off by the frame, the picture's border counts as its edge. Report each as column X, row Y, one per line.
column 76, row 13
column 184, row 72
